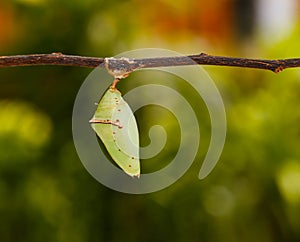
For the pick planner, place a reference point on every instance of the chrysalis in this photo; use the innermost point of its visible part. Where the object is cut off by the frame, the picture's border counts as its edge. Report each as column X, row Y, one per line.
column 116, row 126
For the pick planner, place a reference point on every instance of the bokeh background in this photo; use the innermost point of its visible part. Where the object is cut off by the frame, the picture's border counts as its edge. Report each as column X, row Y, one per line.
column 254, row 192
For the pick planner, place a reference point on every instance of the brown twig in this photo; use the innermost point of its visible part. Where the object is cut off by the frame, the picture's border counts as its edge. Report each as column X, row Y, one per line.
column 124, row 65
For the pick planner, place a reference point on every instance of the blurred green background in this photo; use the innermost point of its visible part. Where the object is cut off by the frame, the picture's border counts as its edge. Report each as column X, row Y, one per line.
column 253, row 194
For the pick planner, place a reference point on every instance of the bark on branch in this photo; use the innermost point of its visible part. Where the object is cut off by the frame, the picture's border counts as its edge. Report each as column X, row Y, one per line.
column 124, row 65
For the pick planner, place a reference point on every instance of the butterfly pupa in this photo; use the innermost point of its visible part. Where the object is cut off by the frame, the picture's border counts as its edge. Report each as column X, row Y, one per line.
column 116, row 126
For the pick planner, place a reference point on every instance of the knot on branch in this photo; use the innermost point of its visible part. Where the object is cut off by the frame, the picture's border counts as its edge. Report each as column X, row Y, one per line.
column 120, row 68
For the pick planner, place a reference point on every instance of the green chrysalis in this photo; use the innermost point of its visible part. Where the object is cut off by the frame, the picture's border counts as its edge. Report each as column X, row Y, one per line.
column 116, row 126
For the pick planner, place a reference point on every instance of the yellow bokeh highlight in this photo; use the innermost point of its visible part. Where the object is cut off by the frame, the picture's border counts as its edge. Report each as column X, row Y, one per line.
column 22, row 121
column 288, row 180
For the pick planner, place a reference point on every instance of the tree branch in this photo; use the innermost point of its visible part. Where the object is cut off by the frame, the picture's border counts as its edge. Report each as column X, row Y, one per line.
column 125, row 65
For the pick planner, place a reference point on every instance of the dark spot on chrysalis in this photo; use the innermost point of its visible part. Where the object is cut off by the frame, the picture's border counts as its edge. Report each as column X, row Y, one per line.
column 132, row 158
column 129, row 165
column 114, row 132
column 119, row 149
column 119, row 110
